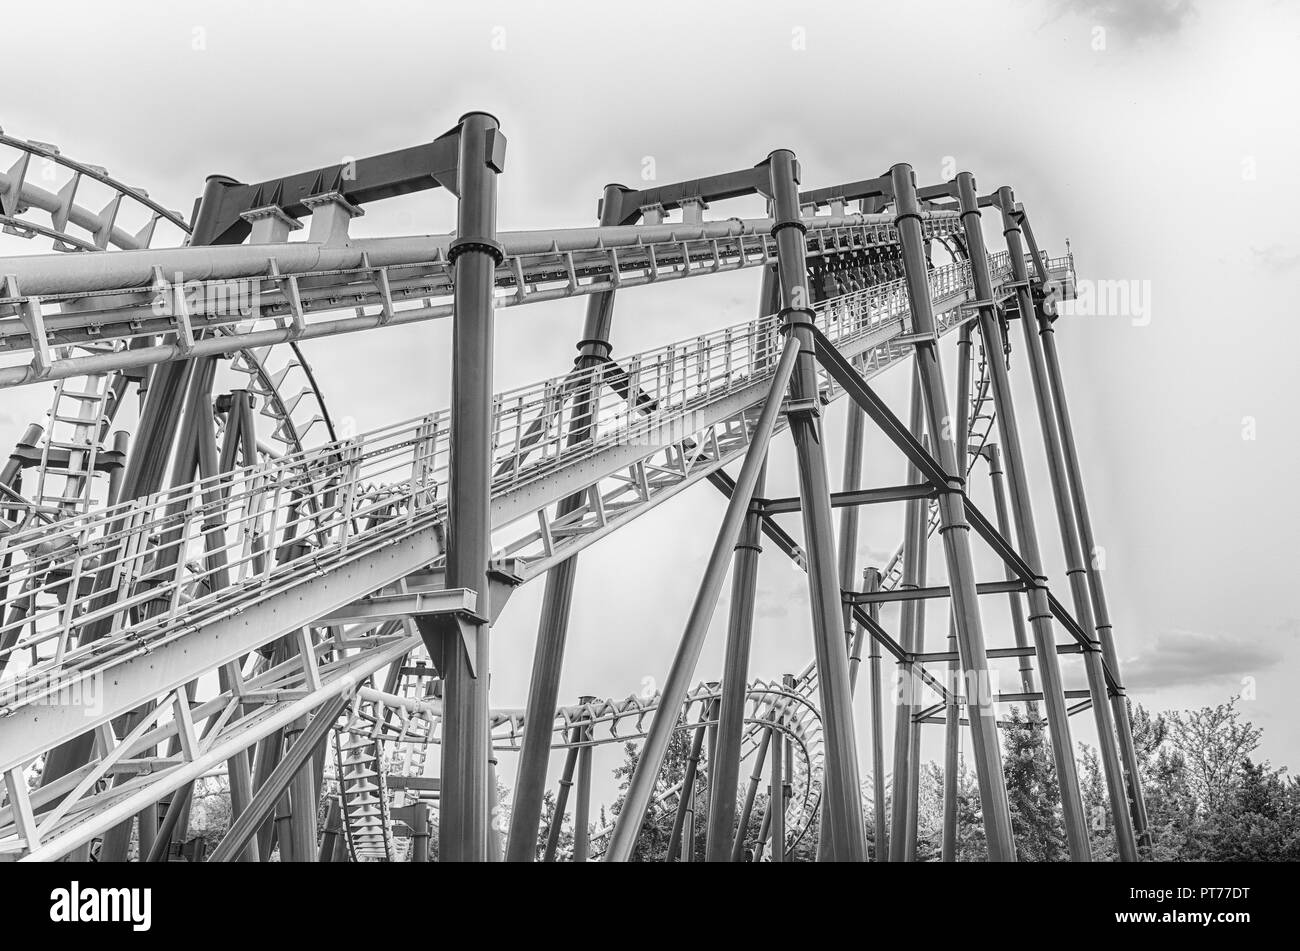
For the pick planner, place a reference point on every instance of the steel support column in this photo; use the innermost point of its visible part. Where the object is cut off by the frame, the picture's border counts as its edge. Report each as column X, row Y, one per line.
column 557, row 598
column 902, row 841
column 419, row 834
column 952, row 713
column 1014, row 606
column 776, row 796
column 562, row 798
column 1074, row 559
column 840, row 775
column 871, row 583
column 751, row 792
column 582, row 804
column 1101, row 611
column 848, row 553
column 953, row 526
column 687, row 794
column 463, row 812
column 333, row 830
column 1040, row 614
column 724, row 768
column 641, row 784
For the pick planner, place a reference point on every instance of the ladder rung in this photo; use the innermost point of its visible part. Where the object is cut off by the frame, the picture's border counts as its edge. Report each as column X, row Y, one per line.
column 78, row 395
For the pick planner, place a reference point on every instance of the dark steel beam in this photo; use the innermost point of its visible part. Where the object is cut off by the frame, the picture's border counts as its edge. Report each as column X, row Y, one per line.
column 460, row 644
column 853, row 498
column 841, row 785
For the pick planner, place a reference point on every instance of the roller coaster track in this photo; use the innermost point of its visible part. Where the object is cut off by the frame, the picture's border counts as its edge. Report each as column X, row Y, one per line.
column 69, row 473
column 114, row 606
column 380, row 513
column 380, row 718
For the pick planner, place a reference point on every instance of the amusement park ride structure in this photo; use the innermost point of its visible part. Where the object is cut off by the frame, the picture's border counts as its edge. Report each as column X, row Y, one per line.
column 305, row 614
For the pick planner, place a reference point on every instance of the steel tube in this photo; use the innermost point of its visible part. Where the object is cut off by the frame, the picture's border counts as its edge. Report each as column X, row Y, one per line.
column 49, row 274
column 1040, row 615
column 582, row 803
column 902, row 844
column 840, row 774
column 954, row 527
column 553, row 626
column 1101, row 611
column 871, row 582
column 751, row 792
column 776, row 798
column 1075, row 570
column 243, row 828
column 561, row 802
column 994, row 455
column 724, row 768
column 464, row 798
column 952, row 714
column 684, row 798
column 641, row 784
column 334, row 826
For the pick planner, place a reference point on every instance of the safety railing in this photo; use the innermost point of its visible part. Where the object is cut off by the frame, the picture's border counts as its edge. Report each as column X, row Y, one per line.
column 92, row 589
column 265, row 303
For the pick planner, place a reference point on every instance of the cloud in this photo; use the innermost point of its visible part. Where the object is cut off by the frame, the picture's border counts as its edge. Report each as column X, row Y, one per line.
column 1183, row 658
column 1275, row 259
column 1132, row 19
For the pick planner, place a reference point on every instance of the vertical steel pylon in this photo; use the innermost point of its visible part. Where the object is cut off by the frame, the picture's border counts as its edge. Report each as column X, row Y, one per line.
column 557, row 598
column 993, row 454
column 724, row 766
column 1066, row 481
column 840, row 787
column 952, row 711
column 1040, row 612
column 902, row 838
column 953, row 526
column 848, row 553
column 461, row 646
column 871, row 583
column 1090, row 551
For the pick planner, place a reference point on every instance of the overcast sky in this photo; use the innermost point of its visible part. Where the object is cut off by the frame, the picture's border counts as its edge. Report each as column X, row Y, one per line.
column 1159, row 137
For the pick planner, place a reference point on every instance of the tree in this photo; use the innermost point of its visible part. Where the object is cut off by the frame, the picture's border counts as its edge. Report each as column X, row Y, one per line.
column 1214, row 741
column 1260, row 822
column 564, row 844
column 652, row 840
column 1033, row 793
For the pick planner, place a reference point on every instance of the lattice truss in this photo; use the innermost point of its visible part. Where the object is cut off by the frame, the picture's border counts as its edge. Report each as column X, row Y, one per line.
column 238, row 591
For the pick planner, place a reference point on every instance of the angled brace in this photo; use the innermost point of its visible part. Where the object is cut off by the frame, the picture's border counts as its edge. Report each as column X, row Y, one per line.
column 289, row 286
column 847, row 377
column 33, row 320
column 173, row 296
